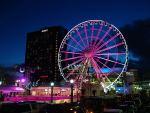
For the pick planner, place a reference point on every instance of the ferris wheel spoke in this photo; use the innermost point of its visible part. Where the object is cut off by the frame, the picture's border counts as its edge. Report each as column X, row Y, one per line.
column 103, row 37
column 110, row 54
column 106, row 66
column 82, row 70
column 70, row 52
column 108, row 41
column 110, row 60
column 76, row 42
column 110, row 47
column 86, row 35
column 74, row 47
column 74, row 69
column 98, row 33
column 80, row 37
column 97, row 70
column 92, row 35
column 72, row 58
column 103, row 73
column 73, row 64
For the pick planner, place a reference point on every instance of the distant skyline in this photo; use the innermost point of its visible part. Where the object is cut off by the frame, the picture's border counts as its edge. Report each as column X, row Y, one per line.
column 21, row 17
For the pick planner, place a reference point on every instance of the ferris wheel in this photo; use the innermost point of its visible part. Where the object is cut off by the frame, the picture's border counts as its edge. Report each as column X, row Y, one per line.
column 96, row 47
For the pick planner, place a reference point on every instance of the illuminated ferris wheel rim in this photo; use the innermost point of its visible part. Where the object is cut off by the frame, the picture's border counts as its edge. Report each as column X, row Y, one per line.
column 84, row 24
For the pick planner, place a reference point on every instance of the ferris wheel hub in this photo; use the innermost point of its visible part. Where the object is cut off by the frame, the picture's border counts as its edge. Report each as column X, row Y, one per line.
column 88, row 54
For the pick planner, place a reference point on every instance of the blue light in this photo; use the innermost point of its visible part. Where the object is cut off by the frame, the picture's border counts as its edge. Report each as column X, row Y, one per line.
column 107, row 70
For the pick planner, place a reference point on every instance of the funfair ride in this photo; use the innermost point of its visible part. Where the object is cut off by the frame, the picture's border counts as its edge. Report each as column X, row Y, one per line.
column 89, row 48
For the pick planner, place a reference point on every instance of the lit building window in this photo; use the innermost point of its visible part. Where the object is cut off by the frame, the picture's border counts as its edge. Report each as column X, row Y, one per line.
column 50, row 48
column 47, row 51
column 41, row 49
column 44, row 41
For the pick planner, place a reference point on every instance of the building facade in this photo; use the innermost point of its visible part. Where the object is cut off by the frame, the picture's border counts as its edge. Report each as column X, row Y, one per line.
column 41, row 54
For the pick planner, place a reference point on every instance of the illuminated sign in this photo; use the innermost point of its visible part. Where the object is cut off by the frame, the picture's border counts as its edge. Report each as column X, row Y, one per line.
column 74, row 66
column 45, row 30
column 107, row 70
column 44, row 76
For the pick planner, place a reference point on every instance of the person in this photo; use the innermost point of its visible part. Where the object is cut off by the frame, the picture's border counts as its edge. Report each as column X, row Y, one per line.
column 7, row 97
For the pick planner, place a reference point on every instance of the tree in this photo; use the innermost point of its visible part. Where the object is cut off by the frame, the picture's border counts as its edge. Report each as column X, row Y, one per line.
column 7, row 75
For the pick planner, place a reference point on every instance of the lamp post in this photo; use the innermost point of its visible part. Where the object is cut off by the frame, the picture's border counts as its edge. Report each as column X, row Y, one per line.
column 52, row 84
column 71, row 81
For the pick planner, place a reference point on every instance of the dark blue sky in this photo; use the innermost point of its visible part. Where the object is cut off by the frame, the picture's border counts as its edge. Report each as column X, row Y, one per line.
column 19, row 17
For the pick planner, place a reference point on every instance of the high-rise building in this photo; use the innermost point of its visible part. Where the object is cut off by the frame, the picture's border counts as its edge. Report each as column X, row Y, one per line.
column 42, row 51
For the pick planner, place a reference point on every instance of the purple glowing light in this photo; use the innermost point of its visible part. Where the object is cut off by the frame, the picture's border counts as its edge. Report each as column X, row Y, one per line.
column 23, row 80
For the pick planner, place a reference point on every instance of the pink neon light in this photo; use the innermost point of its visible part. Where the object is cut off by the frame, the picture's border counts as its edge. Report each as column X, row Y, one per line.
column 108, row 41
column 23, row 80
column 103, row 73
column 80, row 37
column 74, row 69
column 86, row 35
column 88, row 54
column 39, row 98
column 92, row 34
column 110, row 54
column 74, row 47
column 97, row 68
column 103, row 37
column 73, row 63
column 110, row 47
column 105, row 65
column 110, row 60
column 76, row 42
column 98, row 33
column 70, row 52
column 72, row 58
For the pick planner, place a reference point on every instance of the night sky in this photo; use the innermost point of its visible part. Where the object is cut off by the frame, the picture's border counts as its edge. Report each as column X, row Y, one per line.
column 19, row 17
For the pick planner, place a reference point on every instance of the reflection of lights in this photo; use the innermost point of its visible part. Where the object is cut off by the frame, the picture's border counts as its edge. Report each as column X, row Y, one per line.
column 0, row 83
